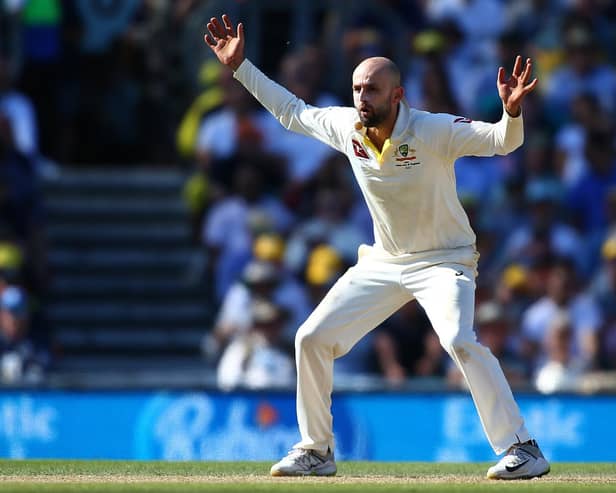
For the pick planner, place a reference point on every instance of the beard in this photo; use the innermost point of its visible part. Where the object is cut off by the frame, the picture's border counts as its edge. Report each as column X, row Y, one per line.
column 373, row 117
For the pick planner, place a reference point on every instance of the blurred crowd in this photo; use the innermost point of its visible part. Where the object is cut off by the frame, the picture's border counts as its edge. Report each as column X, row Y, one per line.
column 279, row 214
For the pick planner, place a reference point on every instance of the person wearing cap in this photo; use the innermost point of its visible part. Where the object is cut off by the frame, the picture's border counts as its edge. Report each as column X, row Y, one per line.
column 264, row 277
column 258, row 359
column 403, row 160
column 493, row 330
column 20, row 360
column 259, row 281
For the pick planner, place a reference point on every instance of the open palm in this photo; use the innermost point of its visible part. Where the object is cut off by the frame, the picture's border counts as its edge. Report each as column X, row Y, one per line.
column 226, row 43
column 513, row 90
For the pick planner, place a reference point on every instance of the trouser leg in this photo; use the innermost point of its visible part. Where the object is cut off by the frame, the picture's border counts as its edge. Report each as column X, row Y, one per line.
column 362, row 298
column 449, row 302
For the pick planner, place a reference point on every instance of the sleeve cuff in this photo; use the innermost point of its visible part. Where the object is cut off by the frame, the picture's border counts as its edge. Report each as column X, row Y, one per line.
column 244, row 66
column 508, row 115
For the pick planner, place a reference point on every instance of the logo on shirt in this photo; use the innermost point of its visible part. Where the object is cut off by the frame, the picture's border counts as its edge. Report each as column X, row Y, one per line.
column 359, row 150
column 462, row 119
column 405, row 157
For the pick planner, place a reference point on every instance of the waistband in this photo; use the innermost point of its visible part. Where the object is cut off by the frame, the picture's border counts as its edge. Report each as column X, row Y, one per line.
column 465, row 255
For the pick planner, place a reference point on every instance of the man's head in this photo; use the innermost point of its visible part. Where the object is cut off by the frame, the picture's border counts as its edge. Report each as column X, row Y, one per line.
column 14, row 315
column 376, row 90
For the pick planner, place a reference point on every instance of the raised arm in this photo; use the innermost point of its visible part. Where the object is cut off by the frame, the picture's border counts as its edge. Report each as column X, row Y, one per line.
column 466, row 137
column 329, row 125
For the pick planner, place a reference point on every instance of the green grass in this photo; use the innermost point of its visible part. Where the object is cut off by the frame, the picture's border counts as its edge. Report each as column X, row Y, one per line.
column 179, row 477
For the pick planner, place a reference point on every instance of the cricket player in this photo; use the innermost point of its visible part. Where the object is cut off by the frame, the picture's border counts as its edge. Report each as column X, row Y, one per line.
column 403, row 160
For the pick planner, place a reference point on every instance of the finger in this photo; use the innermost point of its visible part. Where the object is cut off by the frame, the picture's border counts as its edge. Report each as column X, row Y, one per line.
column 517, row 67
column 500, row 79
column 528, row 88
column 228, row 24
column 212, row 30
column 527, row 71
column 209, row 40
column 240, row 32
column 220, row 31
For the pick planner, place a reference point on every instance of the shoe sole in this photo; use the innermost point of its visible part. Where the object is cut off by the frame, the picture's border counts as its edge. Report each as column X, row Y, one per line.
column 512, row 478
column 279, row 474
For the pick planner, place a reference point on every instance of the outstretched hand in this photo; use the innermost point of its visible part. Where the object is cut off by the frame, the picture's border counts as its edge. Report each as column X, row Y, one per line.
column 513, row 90
column 226, row 43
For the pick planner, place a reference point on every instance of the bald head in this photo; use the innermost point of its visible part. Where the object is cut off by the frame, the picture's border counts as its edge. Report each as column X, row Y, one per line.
column 377, row 65
column 377, row 91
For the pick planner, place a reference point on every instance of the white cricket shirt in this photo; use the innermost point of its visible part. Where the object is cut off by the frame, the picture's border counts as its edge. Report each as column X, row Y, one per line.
column 410, row 187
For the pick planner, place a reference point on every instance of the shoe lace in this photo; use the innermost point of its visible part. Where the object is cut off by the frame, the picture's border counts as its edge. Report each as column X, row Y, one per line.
column 518, row 450
column 305, row 457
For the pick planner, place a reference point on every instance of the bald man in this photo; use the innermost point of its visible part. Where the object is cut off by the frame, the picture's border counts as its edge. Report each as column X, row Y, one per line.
column 403, row 160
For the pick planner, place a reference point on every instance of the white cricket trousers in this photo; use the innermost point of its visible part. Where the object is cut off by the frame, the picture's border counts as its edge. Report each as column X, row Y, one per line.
column 443, row 282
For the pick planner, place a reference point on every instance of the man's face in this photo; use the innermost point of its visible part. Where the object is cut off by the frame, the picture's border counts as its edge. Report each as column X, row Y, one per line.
column 374, row 95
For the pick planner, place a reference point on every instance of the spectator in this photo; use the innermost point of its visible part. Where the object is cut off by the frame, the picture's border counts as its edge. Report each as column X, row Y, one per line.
column 234, row 318
column 263, row 278
column 40, row 77
column 330, row 224
column 542, row 233
column 512, row 292
column 236, row 133
column 587, row 117
column 454, row 54
column 11, row 262
column 300, row 73
column 21, row 207
column 403, row 349
column 583, row 72
column 435, row 94
column 323, row 267
column 230, row 224
column 289, row 293
column 485, row 104
column 587, row 197
column 561, row 370
column 479, row 20
column 19, row 111
column 584, row 314
column 20, row 360
column 494, row 332
column 594, row 241
column 258, row 359
column 207, row 101
column 603, row 288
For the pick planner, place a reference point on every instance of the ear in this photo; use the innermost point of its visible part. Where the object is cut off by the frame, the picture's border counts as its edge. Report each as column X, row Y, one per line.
column 397, row 94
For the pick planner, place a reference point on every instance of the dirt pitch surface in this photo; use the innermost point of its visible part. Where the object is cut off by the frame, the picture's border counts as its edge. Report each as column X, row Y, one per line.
column 59, row 476
column 248, row 478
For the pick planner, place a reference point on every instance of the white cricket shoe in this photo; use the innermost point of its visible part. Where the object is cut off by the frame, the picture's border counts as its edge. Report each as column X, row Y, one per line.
column 522, row 461
column 304, row 462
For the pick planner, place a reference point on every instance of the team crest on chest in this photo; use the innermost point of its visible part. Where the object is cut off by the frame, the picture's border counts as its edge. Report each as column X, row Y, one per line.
column 405, row 157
